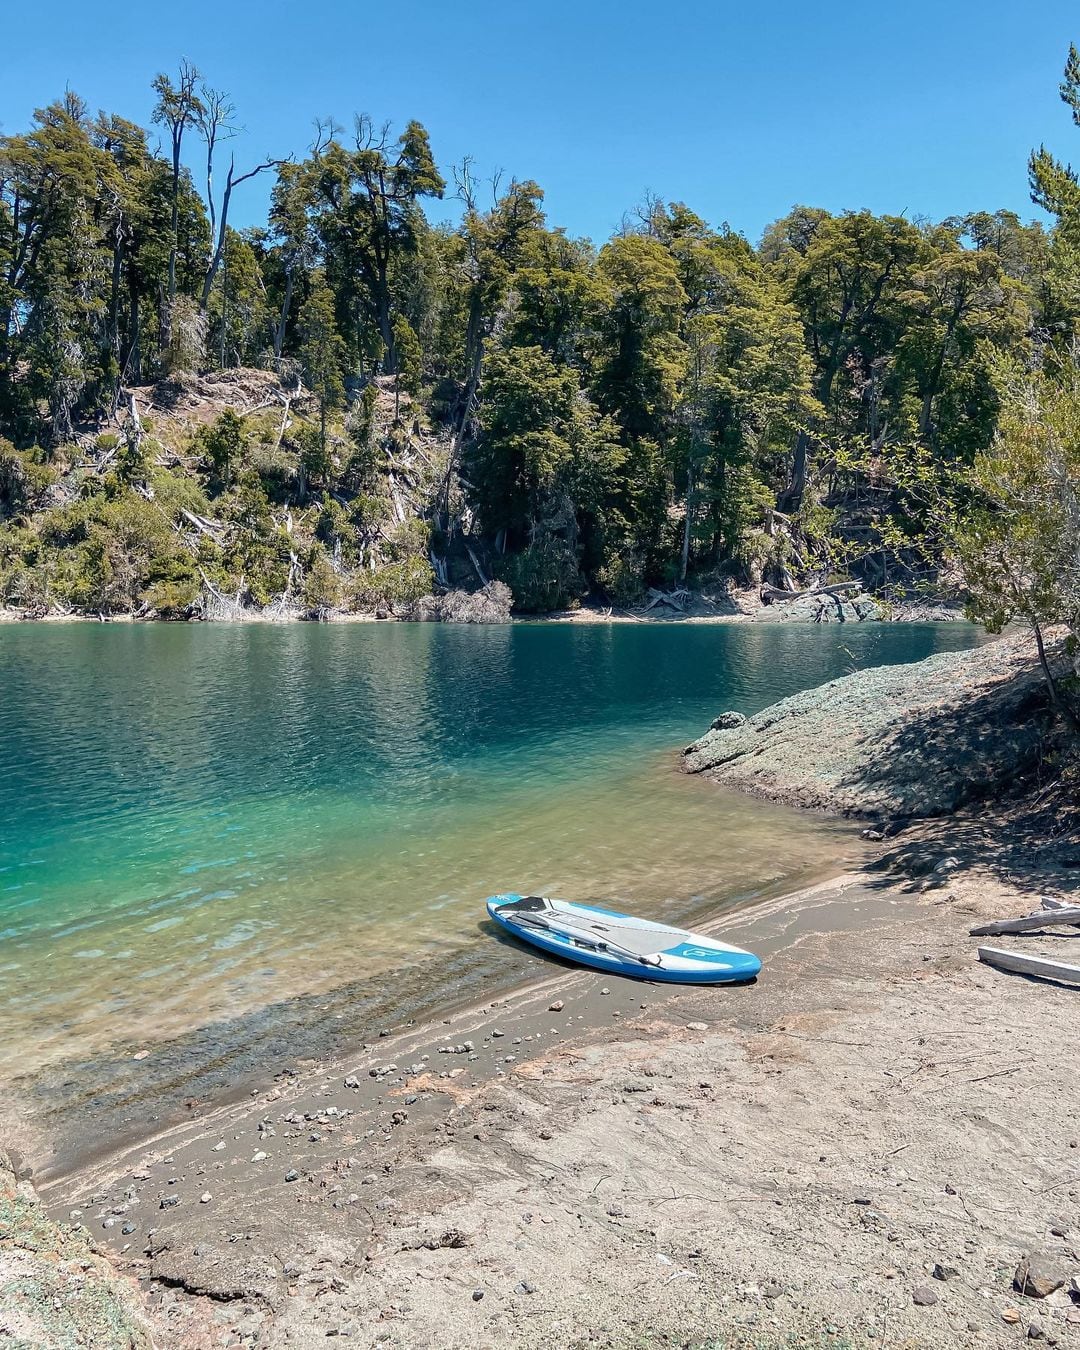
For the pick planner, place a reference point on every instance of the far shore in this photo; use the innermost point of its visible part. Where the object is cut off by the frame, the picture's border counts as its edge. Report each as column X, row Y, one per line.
column 742, row 609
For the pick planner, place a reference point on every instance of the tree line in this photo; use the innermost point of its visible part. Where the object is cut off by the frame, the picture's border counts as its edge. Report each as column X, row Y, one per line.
column 677, row 402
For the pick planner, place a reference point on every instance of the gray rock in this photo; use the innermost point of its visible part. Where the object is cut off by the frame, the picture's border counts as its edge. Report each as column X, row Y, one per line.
column 912, row 740
column 292, row 1175
column 728, row 721
column 477, row 1295
column 1039, row 1274
column 923, row 1296
column 941, row 1272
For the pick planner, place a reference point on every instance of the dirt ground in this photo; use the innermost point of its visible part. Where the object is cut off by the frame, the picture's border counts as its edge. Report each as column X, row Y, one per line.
column 857, row 1150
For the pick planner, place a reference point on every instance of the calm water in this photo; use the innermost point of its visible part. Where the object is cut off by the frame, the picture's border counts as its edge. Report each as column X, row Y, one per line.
column 196, row 821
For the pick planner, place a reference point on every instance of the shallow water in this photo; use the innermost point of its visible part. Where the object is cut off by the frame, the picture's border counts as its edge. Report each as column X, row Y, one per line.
column 198, row 821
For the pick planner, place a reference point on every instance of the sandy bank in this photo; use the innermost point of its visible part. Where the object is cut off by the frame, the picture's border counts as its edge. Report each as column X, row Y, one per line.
column 614, row 1164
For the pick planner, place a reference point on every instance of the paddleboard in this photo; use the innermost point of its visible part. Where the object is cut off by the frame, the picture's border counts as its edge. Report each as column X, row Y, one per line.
column 620, row 943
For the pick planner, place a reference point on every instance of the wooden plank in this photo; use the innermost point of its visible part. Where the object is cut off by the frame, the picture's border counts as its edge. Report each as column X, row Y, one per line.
column 1030, row 965
column 1045, row 918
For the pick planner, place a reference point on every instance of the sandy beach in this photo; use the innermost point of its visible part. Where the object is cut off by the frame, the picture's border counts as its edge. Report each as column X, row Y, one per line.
column 858, row 1149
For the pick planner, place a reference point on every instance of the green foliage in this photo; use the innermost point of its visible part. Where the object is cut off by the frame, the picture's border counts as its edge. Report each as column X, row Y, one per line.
column 1019, row 544
column 222, row 443
column 396, row 585
column 675, row 403
column 543, row 576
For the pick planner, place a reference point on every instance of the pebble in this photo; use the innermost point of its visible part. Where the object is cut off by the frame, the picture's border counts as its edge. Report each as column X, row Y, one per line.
column 605, row 990
column 205, row 1198
column 477, row 1295
column 218, row 1147
column 697, row 1026
column 1010, row 1315
column 352, row 1081
column 496, row 1033
column 258, row 1157
column 941, row 1272
column 557, row 1006
column 167, row 1201
column 524, row 1287
column 923, row 1297
column 292, row 1175
column 128, row 1229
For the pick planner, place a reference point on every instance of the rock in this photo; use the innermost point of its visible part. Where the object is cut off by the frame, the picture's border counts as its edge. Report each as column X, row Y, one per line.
column 477, row 1295
column 727, row 721
column 218, row 1148
column 557, row 1006
column 941, row 1272
column 168, row 1201
column 923, row 1296
column 605, row 990
column 772, row 1291
column 128, row 1229
column 352, row 1081
column 874, row 835
column 920, row 739
column 524, row 1287
column 1038, row 1275
column 292, row 1175
column 260, row 1156
column 697, row 1026
column 57, row 1289
column 1035, row 1330
column 205, row 1198
column 1010, row 1315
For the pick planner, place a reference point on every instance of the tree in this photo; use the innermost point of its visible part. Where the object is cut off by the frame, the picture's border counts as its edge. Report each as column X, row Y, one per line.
column 178, row 107
column 844, row 274
column 1020, row 544
column 409, row 361
column 322, row 352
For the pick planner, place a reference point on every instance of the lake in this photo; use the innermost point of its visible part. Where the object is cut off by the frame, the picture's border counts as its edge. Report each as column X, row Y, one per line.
column 198, row 822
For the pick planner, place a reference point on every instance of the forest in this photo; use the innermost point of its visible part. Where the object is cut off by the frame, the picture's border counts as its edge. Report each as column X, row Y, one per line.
column 435, row 405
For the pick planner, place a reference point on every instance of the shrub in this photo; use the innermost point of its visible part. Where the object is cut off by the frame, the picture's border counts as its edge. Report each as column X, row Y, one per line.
column 544, row 576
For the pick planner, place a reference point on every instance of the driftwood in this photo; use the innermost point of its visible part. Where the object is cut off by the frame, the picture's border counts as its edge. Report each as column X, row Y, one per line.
column 770, row 593
column 672, row 598
column 1039, row 966
column 1044, row 918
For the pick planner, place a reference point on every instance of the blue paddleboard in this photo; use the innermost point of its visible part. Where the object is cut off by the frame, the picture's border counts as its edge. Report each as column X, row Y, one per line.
column 620, row 943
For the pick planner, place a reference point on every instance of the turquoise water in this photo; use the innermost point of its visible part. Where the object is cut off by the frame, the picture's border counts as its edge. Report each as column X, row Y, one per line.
column 197, row 820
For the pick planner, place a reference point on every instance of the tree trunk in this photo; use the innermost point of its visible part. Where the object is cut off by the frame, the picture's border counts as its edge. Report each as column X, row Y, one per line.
column 684, row 561
column 279, row 335
column 1058, row 703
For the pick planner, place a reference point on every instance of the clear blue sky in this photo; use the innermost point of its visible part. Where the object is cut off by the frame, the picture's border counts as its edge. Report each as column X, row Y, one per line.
column 739, row 109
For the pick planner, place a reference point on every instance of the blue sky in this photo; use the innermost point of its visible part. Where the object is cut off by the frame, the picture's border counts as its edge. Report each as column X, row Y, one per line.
column 741, row 109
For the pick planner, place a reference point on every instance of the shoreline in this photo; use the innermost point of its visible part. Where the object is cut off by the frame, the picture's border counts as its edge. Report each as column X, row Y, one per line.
column 412, row 1163
column 743, row 607
column 858, row 1147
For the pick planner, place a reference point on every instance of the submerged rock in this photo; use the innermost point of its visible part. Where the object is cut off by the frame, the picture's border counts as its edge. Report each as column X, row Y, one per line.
column 910, row 740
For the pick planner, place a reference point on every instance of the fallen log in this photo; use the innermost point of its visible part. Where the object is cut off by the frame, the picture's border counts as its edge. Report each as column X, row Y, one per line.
column 1039, row 966
column 770, row 593
column 1030, row 923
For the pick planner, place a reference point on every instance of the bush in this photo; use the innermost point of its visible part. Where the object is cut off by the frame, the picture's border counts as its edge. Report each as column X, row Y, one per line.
column 543, row 577
column 397, row 585
column 322, row 585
